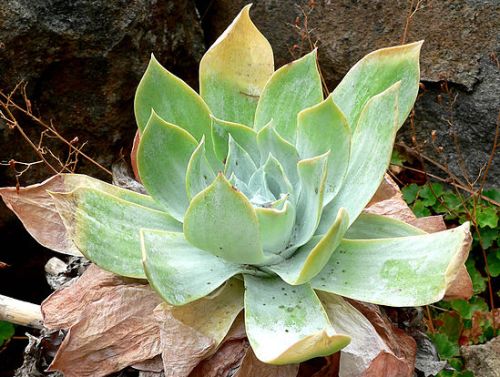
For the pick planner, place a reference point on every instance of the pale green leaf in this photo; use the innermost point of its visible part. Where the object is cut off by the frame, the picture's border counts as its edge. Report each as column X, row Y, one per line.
column 276, row 226
column 287, row 324
column 324, row 128
column 271, row 143
column 174, row 101
column 162, row 159
column 292, row 88
column 239, row 162
column 312, row 174
column 199, row 174
column 375, row 73
column 243, row 135
column 235, row 69
column 180, row 272
column 276, row 179
column 310, row 259
column 222, row 221
column 404, row 271
column 106, row 228
column 371, row 149
column 259, row 192
column 371, row 226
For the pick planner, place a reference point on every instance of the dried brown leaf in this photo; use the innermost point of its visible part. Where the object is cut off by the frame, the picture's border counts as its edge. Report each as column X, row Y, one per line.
column 151, row 365
column 253, row 367
column 223, row 363
column 183, row 348
column 400, row 360
column 111, row 324
column 34, row 207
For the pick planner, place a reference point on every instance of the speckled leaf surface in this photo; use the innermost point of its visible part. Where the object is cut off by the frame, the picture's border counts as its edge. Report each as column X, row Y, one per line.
column 222, row 221
column 235, row 69
column 323, row 128
column 404, row 271
column 371, row 150
column 106, row 228
column 310, row 259
column 370, row 226
column 163, row 157
column 287, row 324
column 375, row 73
column 199, row 173
column 291, row 89
column 180, row 272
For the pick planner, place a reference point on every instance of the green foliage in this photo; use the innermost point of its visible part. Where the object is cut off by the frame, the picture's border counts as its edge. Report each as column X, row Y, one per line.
column 470, row 321
column 7, row 331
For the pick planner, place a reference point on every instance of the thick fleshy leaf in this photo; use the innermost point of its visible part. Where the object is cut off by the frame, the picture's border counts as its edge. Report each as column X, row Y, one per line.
column 287, row 324
column 324, row 128
column 276, row 179
column 370, row 226
column 163, row 158
column 239, row 162
column 309, row 260
column 259, row 192
column 291, row 89
column 271, row 143
column 312, row 174
column 174, row 101
column 105, row 228
column 36, row 209
column 276, row 226
column 375, row 73
column 110, row 322
column 404, row 271
column 180, row 272
column 199, row 173
column 222, row 221
column 235, row 69
column 243, row 135
column 371, row 150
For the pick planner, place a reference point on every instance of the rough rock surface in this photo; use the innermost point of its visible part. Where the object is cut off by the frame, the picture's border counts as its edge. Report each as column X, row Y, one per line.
column 461, row 47
column 82, row 60
column 483, row 359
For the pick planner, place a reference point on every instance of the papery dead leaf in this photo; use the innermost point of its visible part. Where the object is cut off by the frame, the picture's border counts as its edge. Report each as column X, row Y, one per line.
column 110, row 320
column 152, row 365
column 182, row 347
column 223, row 363
column 388, row 201
column 400, row 360
column 34, row 207
column 253, row 367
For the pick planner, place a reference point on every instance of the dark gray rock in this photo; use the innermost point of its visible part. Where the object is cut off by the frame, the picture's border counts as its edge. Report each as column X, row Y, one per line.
column 462, row 42
column 82, row 60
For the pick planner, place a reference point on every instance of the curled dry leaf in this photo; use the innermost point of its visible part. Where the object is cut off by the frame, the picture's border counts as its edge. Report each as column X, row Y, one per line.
column 399, row 359
column 252, row 367
column 34, row 207
column 110, row 320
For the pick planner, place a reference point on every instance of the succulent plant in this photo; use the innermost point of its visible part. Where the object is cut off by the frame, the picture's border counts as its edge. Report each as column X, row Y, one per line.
column 257, row 187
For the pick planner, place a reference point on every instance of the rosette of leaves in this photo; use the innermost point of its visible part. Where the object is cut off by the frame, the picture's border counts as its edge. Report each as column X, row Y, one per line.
column 256, row 188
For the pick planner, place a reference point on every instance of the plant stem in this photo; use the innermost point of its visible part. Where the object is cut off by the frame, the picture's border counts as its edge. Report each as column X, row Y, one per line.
column 20, row 312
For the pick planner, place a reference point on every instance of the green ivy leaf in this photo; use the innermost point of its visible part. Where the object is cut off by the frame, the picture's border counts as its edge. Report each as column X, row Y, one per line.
column 410, row 193
column 487, row 216
column 420, row 209
column 467, row 308
column 452, row 325
column 397, row 158
column 494, row 263
column 7, row 331
column 488, row 237
column 492, row 194
column 478, row 280
column 446, row 348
